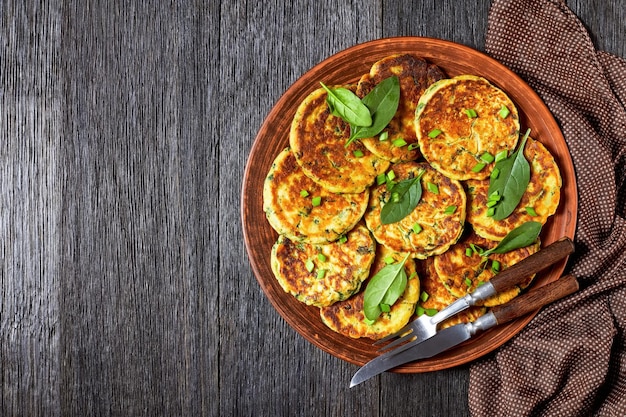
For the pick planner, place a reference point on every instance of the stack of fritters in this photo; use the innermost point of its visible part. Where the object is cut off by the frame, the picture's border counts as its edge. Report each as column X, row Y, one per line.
column 324, row 198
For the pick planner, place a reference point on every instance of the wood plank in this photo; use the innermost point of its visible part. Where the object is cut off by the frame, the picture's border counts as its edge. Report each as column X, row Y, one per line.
column 605, row 22
column 140, row 215
column 30, row 201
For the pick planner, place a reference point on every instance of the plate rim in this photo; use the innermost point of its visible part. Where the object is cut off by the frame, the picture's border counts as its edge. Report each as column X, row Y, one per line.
column 473, row 348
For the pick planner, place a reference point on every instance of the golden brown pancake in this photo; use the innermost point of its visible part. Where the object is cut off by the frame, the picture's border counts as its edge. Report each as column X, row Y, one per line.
column 289, row 202
column 434, row 296
column 317, row 139
column 454, row 142
column 321, row 274
column 437, row 229
column 542, row 195
column 415, row 75
column 347, row 317
column 462, row 274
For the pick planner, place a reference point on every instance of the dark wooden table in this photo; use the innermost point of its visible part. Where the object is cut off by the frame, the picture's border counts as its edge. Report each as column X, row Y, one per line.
column 125, row 287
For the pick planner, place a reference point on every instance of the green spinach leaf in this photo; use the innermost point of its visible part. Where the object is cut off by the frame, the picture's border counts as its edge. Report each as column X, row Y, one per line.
column 396, row 289
column 520, row 237
column 404, row 197
column 382, row 103
column 384, row 288
column 347, row 105
column 512, row 181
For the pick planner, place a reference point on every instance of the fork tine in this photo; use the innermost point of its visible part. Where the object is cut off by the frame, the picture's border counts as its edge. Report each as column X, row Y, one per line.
column 402, row 331
column 406, row 338
column 401, row 348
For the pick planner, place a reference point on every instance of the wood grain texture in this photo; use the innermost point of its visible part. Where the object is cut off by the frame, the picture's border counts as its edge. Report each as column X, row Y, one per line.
column 30, row 200
column 125, row 288
column 139, row 221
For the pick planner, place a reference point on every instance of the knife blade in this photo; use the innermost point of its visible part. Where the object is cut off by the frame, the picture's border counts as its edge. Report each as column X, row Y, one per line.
column 454, row 335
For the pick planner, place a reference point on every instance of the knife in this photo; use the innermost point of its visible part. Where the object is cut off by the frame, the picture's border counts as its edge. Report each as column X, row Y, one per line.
column 454, row 335
column 426, row 326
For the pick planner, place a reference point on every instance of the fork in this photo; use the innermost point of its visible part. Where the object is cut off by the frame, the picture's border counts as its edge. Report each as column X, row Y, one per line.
column 425, row 326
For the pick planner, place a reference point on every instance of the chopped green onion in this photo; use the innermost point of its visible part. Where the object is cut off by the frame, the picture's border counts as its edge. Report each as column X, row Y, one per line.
column 487, row 157
column 434, row 133
column 414, row 146
column 478, row 167
column 419, row 310
column 391, row 175
column 531, row 211
column 417, row 228
column 424, row 296
column 304, row 193
column 502, row 155
column 395, row 197
column 389, row 260
column 432, row 188
column 316, row 201
column 385, row 308
column 383, row 136
column 504, row 111
column 471, row 113
column 468, row 252
column 450, row 209
column 491, row 203
column 495, row 196
column 495, row 266
column 491, row 211
column 357, row 153
column 321, row 273
column 468, row 282
column 431, row 311
column 399, row 142
column 381, row 179
column 476, row 249
column 321, row 257
column 343, row 239
column 495, row 173
column 309, row 265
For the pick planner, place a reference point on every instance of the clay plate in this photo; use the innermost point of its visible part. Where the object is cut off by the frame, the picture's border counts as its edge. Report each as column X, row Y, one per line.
column 347, row 67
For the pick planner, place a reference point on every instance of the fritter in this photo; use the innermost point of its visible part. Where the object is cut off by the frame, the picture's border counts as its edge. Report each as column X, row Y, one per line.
column 317, row 138
column 462, row 120
column 434, row 296
column 539, row 202
column 461, row 269
column 415, row 75
column 302, row 210
column 347, row 317
column 433, row 226
column 322, row 274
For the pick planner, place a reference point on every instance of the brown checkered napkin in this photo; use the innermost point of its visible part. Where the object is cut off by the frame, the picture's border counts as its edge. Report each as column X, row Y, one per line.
column 571, row 359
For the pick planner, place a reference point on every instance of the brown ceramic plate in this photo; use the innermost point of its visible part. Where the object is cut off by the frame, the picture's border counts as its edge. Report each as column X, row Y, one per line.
column 347, row 67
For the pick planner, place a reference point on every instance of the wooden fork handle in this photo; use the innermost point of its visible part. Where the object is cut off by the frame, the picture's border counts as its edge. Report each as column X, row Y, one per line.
column 532, row 264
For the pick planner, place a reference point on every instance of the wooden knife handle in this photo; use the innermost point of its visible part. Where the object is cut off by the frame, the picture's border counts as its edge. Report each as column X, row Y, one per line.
column 535, row 299
column 532, row 264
